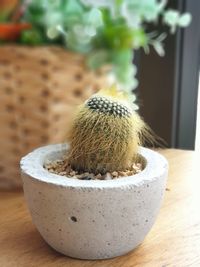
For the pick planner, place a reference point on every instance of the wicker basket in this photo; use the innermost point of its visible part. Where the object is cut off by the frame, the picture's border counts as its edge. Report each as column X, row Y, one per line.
column 39, row 88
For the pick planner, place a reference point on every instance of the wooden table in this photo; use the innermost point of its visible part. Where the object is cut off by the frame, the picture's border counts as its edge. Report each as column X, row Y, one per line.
column 173, row 241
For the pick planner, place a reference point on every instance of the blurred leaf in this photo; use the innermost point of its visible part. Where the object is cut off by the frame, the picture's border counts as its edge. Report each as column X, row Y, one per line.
column 171, row 18
column 94, row 17
column 122, row 58
column 117, row 36
column 53, row 32
column 185, row 20
column 98, row 58
column 32, row 37
column 123, row 69
column 139, row 39
column 159, row 48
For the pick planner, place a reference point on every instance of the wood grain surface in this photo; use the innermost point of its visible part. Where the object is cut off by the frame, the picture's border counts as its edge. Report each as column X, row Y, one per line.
column 174, row 240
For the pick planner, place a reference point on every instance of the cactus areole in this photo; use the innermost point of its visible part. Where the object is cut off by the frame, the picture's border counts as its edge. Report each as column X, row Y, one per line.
column 105, row 133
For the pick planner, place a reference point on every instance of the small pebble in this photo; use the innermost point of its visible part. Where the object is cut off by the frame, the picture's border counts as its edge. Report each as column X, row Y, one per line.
column 62, row 173
column 122, row 173
column 129, row 173
column 98, row 176
column 107, row 176
column 72, row 173
column 115, row 174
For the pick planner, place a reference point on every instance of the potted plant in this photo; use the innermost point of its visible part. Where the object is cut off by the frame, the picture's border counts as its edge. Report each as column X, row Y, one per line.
column 86, row 198
column 98, row 196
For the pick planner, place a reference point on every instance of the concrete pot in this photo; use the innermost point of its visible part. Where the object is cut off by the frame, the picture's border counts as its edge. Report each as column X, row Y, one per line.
column 92, row 219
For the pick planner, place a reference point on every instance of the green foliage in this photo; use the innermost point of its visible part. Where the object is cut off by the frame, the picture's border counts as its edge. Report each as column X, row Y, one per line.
column 33, row 37
column 106, row 31
column 172, row 18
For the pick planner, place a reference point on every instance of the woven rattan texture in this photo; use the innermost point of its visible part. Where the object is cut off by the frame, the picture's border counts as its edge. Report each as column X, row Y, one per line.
column 39, row 88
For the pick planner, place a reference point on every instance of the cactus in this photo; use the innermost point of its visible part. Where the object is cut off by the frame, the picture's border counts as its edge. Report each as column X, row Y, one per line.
column 105, row 133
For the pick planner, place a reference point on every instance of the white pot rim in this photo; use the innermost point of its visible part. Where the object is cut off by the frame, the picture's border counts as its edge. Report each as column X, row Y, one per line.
column 32, row 165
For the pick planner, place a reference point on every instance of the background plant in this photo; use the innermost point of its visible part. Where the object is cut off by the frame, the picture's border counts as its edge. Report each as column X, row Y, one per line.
column 107, row 32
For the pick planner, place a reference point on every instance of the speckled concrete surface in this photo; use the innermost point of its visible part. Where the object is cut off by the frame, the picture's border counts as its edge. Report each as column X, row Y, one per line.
column 92, row 219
